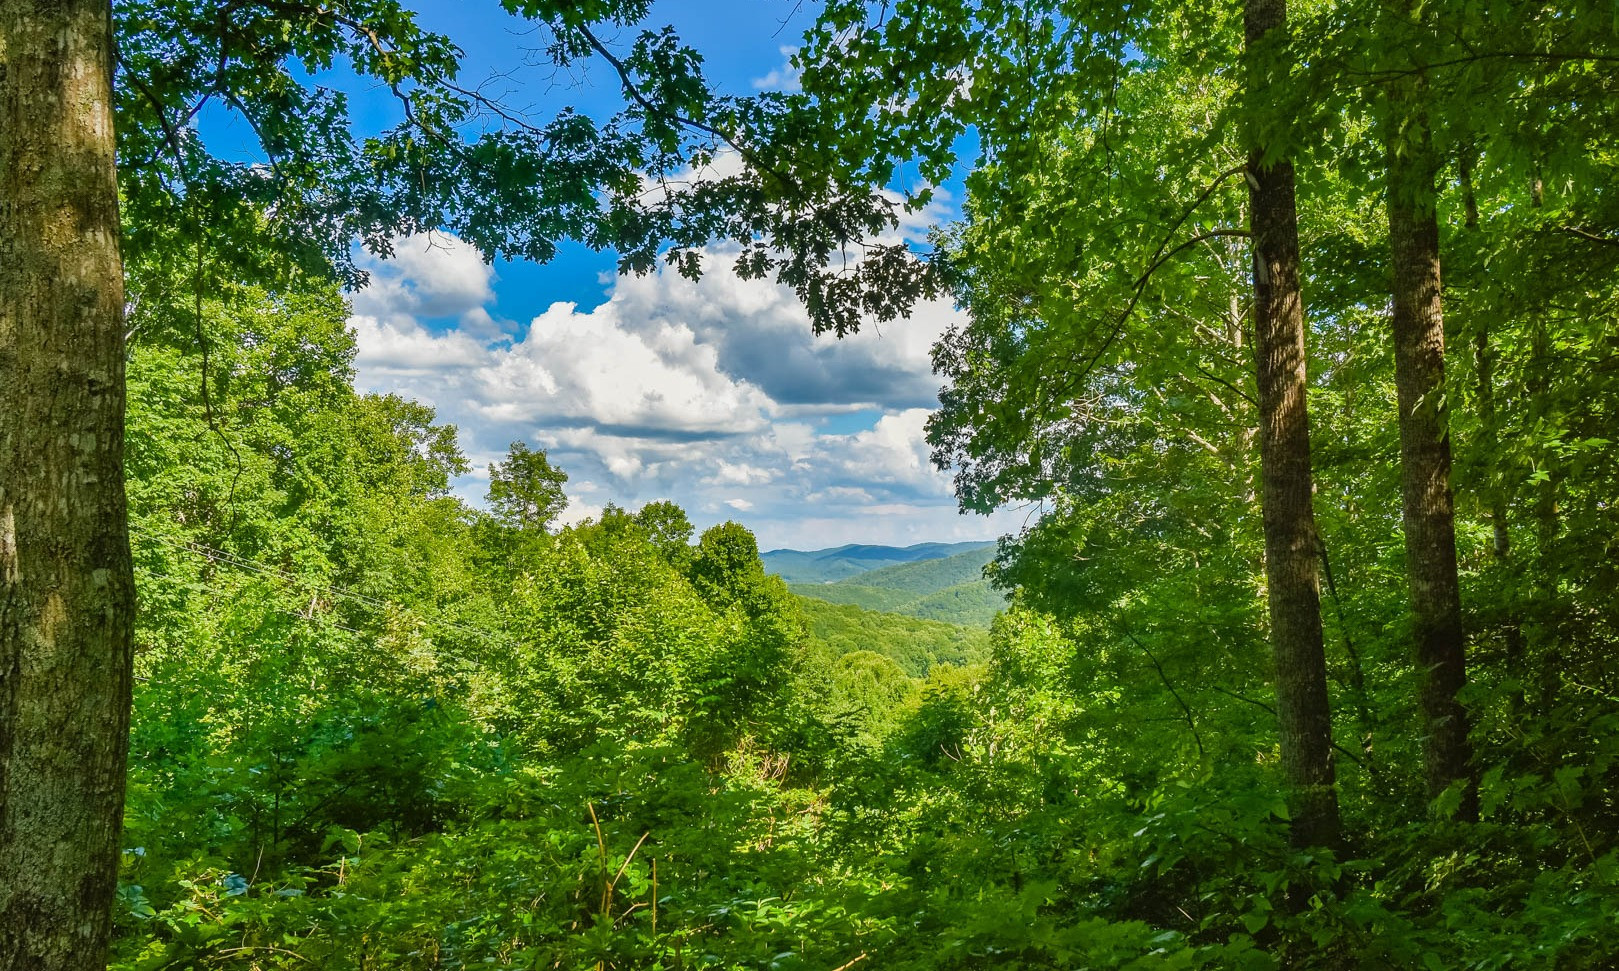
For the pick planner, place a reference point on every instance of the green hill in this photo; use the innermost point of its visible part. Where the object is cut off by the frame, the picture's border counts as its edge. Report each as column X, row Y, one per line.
column 950, row 589
column 916, row 645
column 838, row 563
column 932, row 576
column 855, row 594
column 974, row 603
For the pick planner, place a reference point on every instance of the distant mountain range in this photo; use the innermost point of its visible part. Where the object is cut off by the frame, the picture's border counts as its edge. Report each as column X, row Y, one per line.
column 934, row 581
column 825, row 566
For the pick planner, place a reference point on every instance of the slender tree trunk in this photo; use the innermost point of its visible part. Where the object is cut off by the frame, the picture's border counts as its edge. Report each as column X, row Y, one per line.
column 1547, row 522
column 1495, row 490
column 1490, row 435
column 1243, row 457
column 1428, row 507
column 1292, row 547
column 1496, row 497
column 1484, row 358
column 66, row 590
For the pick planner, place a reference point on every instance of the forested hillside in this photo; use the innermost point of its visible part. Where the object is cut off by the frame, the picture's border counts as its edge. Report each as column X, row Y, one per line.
column 842, row 562
column 1290, row 331
column 916, row 645
column 375, row 727
column 364, row 708
column 951, row 589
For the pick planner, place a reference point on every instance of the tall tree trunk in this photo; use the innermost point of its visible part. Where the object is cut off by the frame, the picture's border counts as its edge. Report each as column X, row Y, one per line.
column 1243, row 449
column 66, row 590
column 1428, row 507
column 1292, row 547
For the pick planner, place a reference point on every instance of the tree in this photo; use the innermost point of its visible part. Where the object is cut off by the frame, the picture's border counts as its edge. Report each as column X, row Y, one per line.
column 726, row 567
column 1427, row 503
column 526, row 490
column 66, row 587
column 1526, row 284
column 402, row 436
column 1292, row 542
column 1073, row 64
column 669, row 530
column 188, row 218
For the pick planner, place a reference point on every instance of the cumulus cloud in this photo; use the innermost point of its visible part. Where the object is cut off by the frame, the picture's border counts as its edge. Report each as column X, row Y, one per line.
column 893, row 453
column 593, row 370
column 400, row 346
column 759, row 329
column 783, row 77
column 710, row 392
column 428, row 275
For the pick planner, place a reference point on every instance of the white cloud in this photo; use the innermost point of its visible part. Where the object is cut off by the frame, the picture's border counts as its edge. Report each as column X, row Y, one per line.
column 783, row 77
column 588, row 367
column 893, row 452
column 430, row 275
column 741, row 473
column 577, row 511
column 760, row 330
column 398, row 345
column 710, row 392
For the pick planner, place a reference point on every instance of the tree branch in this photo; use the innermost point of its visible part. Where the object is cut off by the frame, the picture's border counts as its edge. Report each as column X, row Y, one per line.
column 1588, row 235
column 1141, row 285
column 1186, row 709
column 633, row 91
column 1346, row 753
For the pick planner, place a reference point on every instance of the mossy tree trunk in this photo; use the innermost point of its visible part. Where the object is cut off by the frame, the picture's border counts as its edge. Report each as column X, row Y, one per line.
column 1428, row 506
column 1292, row 545
column 66, row 590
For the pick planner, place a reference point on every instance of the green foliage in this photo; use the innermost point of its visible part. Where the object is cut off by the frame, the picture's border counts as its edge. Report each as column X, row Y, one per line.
column 950, row 588
column 375, row 728
column 364, row 739
column 915, row 645
column 668, row 529
column 525, row 491
column 350, row 750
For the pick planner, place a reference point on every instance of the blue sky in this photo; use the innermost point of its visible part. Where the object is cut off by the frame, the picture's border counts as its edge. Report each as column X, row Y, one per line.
column 714, row 393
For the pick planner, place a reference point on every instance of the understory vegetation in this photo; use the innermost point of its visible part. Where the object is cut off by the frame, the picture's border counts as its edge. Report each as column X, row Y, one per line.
column 1302, row 658
column 376, row 728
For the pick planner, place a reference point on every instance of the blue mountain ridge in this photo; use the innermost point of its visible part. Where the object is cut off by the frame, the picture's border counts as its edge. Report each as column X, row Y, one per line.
column 840, row 562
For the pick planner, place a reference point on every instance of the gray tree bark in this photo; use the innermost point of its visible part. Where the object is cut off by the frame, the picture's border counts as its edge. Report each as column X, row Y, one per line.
column 1428, row 505
column 66, row 589
column 1292, row 545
